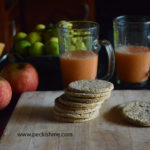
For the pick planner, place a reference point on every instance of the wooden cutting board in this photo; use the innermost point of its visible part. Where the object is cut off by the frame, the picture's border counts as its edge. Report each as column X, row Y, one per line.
column 33, row 118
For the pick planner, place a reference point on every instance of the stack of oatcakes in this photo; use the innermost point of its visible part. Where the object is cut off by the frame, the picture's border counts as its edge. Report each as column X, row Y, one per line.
column 82, row 100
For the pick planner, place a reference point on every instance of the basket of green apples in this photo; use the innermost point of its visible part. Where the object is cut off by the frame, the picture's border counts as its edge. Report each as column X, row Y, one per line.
column 43, row 40
column 40, row 48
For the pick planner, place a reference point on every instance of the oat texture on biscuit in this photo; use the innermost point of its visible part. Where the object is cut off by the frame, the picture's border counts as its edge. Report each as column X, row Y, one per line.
column 64, row 108
column 78, row 104
column 74, row 120
column 91, row 86
column 137, row 112
column 79, row 111
column 87, row 100
column 76, row 115
column 86, row 95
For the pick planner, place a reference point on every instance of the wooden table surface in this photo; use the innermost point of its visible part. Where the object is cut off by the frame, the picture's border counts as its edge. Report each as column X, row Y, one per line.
column 32, row 126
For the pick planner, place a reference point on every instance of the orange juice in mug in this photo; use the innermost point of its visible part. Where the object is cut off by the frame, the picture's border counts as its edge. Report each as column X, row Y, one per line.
column 79, row 45
column 133, row 63
column 85, row 63
column 132, row 53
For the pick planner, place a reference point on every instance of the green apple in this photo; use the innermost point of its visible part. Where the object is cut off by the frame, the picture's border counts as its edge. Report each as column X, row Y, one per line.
column 51, row 47
column 34, row 37
column 83, row 47
column 79, row 44
column 73, row 48
column 36, row 49
column 65, row 24
column 62, row 21
column 20, row 36
column 40, row 27
column 74, row 40
column 88, row 42
column 49, row 32
column 22, row 47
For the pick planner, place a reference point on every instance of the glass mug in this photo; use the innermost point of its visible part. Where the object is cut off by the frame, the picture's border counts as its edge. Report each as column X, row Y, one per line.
column 132, row 53
column 78, row 47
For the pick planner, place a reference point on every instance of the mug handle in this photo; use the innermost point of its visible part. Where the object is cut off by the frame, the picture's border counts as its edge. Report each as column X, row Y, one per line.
column 111, row 59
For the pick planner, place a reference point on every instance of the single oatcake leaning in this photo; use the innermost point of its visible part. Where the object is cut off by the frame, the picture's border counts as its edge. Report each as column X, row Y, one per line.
column 136, row 112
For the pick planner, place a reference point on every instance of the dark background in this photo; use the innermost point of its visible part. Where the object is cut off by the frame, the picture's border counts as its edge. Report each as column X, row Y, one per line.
column 25, row 14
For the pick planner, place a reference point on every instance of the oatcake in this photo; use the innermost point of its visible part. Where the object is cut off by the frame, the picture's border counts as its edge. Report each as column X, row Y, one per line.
column 73, row 120
column 75, row 108
column 75, row 115
column 86, row 95
column 90, row 86
column 137, row 112
column 65, row 109
column 77, row 104
column 86, row 100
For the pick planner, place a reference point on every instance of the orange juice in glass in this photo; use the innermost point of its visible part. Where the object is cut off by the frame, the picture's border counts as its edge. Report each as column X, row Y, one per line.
column 132, row 53
column 133, row 63
column 85, row 62
column 78, row 46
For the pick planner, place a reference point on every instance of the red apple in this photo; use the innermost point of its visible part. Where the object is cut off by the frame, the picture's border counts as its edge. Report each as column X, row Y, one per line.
column 5, row 93
column 21, row 76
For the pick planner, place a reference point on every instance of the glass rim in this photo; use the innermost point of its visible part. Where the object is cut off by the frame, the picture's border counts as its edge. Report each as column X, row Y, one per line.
column 132, row 19
column 92, row 25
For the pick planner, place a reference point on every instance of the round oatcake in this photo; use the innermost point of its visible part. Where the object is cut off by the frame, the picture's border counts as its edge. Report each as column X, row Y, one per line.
column 74, row 120
column 86, row 100
column 86, row 95
column 67, row 109
column 90, row 86
column 137, row 112
column 70, row 107
column 77, row 104
column 76, row 115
